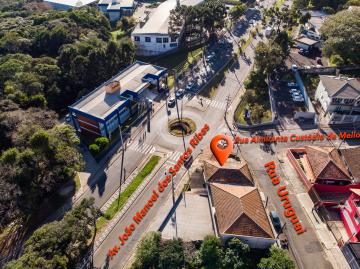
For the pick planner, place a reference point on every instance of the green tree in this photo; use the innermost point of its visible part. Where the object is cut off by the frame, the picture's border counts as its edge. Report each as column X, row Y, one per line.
column 102, row 142
column 94, row 149
column 148, row 252
column 211, row 252
column 60, row 244
column 305, row 18
column 341, row 36
column 237, row 11
column 171, row 254
column 278, row 259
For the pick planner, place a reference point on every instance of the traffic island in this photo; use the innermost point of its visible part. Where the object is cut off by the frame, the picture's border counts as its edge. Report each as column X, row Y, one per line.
column 180, row 127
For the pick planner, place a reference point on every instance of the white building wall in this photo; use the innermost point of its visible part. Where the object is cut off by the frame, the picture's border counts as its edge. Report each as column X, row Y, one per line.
column 153, row 48
column 322, row 96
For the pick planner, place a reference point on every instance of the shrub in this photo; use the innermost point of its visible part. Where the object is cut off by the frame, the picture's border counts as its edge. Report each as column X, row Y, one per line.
column 94, row 149
column 329, row 10
column 102, row 142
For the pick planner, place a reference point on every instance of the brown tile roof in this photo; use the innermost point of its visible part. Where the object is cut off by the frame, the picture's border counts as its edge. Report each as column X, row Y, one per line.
column 352, row 159
column 326, row 163
column 240, row 211
column 341, row 87
column 232, row 172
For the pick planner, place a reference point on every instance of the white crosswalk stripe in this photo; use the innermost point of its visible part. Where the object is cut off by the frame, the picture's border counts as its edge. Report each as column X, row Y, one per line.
column 142, row 148
column 175, row 155
column 218, row 105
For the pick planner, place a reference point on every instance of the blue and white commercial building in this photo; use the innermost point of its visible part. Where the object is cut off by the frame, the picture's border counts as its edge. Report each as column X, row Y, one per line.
column 109, row 106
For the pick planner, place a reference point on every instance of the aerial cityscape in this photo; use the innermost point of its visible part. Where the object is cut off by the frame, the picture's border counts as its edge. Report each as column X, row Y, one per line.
column 180, row 134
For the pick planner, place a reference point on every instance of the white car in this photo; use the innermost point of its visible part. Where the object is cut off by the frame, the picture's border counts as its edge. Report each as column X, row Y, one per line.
column 298, row 99
column 292, row 84
column 294, row 91
column 296, row 94
column 307, row 67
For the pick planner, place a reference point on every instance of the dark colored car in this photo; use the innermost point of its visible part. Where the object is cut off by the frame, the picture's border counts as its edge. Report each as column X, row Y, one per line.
column 275, row 220
column 171, row 102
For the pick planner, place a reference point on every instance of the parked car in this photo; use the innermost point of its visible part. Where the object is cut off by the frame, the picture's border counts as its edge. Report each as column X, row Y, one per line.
column 190, row 86
column 171, row 102
column 307, row 67
column 179, row 93
column 304, row 52
column 275, row 220
column 296, row 94
column 298, row 99
column 294, row 91
column 292, row 84
column 210, row 56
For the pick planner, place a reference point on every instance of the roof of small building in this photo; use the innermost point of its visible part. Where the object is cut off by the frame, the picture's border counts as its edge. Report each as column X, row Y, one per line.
column 307, row 41
column 71, row 3
column 326, row 163
column 341, row 87
column 101, row 103
column 352, row 159
column 240, row 211
column 158, row 23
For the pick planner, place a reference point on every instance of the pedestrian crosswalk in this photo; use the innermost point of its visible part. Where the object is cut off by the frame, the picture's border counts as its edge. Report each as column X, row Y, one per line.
column 142, row 148
column 216, row 104
column 174, row 155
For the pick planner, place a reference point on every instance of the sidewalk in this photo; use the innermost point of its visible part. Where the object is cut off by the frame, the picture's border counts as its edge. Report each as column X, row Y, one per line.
column 332, row 251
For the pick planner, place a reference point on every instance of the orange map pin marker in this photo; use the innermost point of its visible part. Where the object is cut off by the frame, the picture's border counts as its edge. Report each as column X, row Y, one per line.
column 221, row 151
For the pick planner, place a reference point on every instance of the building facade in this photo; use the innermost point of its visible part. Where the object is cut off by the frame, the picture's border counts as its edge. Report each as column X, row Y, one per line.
column 152, row 37
column 115, row 9
column 340, row 98
column 68, row 4
column 109, row 106
column 350, row 215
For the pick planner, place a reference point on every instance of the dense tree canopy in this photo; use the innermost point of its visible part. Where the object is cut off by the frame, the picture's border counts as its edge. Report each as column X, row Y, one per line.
column 277, row 259
column 59, row 244
column 342, row 36
column 51, row 58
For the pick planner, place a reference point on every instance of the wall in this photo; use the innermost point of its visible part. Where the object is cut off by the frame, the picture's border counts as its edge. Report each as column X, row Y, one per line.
column 253, row 242
column 297, row 168
column 347, row 215
column 322, row 96
column 153, row 48
column 335, row 188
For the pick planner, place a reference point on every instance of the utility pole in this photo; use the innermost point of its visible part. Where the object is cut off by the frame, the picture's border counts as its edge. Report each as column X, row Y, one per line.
column 122, row 163
column 177, row 107
column 228, row 102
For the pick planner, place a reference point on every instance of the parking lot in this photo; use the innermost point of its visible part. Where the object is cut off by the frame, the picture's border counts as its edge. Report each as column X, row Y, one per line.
column 283, row 94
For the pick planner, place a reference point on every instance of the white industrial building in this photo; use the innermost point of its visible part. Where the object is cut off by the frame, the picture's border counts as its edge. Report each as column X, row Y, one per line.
column 68, row 4
column 152, row 37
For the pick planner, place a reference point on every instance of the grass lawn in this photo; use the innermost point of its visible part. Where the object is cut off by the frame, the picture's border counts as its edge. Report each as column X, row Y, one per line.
column 179, row 61
column 257, row 101
column 118, row 204
column 77, row 182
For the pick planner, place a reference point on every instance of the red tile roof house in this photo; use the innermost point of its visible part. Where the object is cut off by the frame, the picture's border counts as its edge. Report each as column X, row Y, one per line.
column 237, row 207
column 325, row 173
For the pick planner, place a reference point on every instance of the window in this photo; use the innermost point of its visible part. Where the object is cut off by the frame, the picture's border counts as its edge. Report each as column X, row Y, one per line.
column 147, row 39
column 172, row 45
column 356, row 217
column 357, row 203
column 137, row 38
column 349, row 101
column 158, row 40
column 166, row 40
column 173, row 39
column 337, row 100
